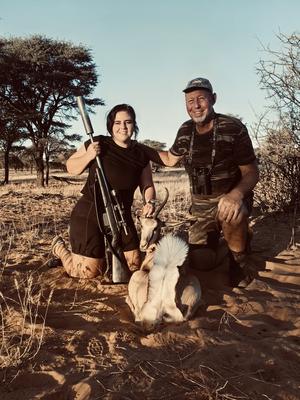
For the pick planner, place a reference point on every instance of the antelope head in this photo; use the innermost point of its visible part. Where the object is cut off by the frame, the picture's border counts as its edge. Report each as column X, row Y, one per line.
column 151, row 226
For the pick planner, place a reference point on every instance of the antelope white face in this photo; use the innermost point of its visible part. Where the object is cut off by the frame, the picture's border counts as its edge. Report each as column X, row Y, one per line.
column 150, row 230
column 151, row 226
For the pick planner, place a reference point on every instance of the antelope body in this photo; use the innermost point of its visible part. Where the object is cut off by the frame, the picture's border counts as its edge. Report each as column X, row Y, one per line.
column 159, row 291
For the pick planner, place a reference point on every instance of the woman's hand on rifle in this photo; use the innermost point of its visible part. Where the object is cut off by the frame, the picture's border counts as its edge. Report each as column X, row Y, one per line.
column 93, row 150
column 78, row 161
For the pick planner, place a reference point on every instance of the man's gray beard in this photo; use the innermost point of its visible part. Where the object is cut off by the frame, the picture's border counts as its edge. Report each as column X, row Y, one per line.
column 200, row 120
column 205, row 118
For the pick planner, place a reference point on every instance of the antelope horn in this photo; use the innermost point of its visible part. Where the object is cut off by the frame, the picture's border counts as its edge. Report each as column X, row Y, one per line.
column 143, row 194
column 162, row 204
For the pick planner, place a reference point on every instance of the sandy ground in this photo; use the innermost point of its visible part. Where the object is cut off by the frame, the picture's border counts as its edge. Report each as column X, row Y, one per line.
column 242, row 343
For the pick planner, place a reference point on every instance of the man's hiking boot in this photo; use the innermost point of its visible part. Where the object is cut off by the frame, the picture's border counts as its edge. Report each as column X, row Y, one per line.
column 242, row 270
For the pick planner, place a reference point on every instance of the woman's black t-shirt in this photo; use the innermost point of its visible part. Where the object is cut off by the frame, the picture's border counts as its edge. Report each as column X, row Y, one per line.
column 122, row 167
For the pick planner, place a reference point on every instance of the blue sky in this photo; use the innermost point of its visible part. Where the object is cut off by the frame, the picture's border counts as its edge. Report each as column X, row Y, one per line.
column 146, row 51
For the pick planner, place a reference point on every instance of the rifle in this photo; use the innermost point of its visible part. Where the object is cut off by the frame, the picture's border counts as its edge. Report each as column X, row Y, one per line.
column 112, row 222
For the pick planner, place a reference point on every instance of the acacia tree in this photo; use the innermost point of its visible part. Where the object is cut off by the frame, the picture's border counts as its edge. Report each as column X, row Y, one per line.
column 279, row 150
column 40, row 79
column 58, row 144
column 26, row 155
column 10, row 134
column 279, row 76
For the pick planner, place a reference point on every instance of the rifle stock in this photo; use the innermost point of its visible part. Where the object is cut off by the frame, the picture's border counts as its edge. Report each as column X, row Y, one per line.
column 112, row 218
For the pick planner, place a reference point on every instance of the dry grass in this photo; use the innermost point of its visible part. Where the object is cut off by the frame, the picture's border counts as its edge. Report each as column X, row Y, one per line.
column 87, row 336
column 22, row 322
column 23, row 303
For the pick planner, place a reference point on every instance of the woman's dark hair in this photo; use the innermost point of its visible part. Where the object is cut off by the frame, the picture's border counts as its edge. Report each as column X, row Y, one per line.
column 111, row 116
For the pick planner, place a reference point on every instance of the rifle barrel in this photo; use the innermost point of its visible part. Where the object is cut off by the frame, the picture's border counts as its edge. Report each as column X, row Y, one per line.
column 84, row 115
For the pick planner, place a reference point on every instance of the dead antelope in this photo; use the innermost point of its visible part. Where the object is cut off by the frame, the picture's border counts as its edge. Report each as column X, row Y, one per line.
column 158, row 291
column 151, row 226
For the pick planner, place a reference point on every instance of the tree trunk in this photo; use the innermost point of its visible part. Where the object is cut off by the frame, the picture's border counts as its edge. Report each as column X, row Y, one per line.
column 6, row 167
column 47, row 172
column 40, row 182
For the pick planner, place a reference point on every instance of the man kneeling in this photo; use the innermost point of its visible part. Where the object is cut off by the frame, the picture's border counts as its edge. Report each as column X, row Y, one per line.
column 222, row 168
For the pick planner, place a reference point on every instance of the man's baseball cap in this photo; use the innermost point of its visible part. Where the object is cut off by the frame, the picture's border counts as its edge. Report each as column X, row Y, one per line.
column 198, row 83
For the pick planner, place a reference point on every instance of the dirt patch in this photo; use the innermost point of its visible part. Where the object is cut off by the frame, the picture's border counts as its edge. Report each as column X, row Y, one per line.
column 242, row 344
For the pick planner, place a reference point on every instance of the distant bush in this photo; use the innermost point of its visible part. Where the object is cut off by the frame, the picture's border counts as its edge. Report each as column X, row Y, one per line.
column 279, row 164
